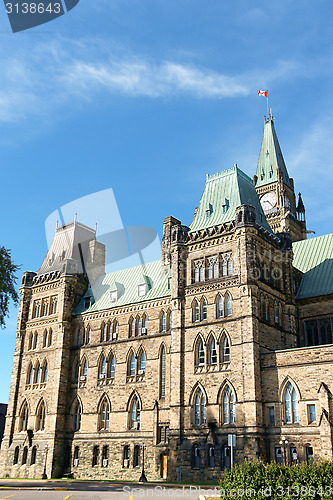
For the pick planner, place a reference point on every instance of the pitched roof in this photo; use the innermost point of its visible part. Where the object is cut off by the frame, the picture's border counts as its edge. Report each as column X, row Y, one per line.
column 223, row 193
column 126, row 282
column 314, row 258
column 270, row 157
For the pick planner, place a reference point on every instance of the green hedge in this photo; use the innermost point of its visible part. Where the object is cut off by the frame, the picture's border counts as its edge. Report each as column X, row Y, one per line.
column 257, row 480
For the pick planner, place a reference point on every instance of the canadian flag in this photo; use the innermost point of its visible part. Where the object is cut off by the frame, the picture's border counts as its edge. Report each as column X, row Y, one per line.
column 263, row 92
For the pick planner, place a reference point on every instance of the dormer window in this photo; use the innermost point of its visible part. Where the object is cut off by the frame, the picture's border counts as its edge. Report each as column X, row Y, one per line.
column 113, row 295
column 209, row 210
column 225, row 206
column 86, row 302
column 142, row 290
column 169, row 283
column 262, row 177
column 63, row 255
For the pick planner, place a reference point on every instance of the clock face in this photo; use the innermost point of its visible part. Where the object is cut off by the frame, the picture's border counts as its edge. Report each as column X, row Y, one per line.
column 268, row 201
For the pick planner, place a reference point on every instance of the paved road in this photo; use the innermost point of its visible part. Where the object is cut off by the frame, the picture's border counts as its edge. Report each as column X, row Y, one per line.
column 114, row 492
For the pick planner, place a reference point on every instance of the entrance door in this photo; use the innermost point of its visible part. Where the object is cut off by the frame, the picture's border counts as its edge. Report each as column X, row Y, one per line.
column 278, row 455
column 164, row 471
column 226, row 459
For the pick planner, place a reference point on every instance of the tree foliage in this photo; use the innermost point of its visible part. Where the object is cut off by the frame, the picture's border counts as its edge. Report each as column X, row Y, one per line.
column 257, row 480
column 7, row 283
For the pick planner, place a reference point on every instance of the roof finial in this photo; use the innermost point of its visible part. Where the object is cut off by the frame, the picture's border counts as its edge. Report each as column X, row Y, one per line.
column 57, row 224
column 95, row 227
column 75, row 217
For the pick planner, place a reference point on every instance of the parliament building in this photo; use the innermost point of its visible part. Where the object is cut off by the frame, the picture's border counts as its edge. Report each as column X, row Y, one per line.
column 220, row 351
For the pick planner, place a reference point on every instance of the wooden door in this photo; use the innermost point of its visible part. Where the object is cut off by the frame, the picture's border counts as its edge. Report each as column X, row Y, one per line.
column 164, row 466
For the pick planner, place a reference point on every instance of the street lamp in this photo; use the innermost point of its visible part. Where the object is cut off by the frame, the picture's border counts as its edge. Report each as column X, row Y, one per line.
column 143, row 478
column 44, row 476
column 284, row 443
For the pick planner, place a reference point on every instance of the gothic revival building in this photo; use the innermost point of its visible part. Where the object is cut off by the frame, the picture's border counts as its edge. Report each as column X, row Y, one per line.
column 229, row 334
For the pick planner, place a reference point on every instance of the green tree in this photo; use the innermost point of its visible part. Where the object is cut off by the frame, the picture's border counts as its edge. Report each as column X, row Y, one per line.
column 7, row 283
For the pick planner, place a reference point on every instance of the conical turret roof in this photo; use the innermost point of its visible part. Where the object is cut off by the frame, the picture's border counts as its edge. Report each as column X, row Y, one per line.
column 270, row 157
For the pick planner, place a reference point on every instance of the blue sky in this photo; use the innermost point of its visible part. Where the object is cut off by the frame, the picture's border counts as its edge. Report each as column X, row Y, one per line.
column 146, row 97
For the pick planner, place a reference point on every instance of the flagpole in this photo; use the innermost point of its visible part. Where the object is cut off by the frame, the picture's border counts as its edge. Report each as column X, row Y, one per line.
column 268, row 115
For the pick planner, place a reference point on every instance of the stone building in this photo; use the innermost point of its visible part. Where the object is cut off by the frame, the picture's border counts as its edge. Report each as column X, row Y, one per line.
column 219, row 352
column 3, row 410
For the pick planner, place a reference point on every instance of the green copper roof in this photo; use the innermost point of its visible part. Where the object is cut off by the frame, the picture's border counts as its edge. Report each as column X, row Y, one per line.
column 270, row 157
column 314, row 258
column 223, row 193
column 125, row 283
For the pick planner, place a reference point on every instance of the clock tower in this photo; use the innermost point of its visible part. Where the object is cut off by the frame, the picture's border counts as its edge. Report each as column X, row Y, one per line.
column 276, row 189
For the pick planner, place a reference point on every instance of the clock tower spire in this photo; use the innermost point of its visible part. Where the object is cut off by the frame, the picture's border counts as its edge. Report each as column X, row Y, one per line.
column 275, row 188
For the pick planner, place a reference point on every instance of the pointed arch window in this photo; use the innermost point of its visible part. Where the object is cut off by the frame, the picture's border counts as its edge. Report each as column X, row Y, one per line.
column 162, row 372
column 135, row 414
column 126, row 456
column 163, row 322
column 16, row 455
column 30, row 377
column 104, row 415
column 44, row 372
column 76, row 372
column 112, row 367
column 200, row 354
column 30, row 344
column 24, row 455
column 291, row 404
column 102, row 369
column 138, row 326
column 35, row 340
column 24, row 417
column 95, row 456
column 228, row 406
column 196, row 457
column 196, row 311
column 211, row 456
column 136, row 456
column 170, row 320
column 225, row 350
column 142, row 363
column 84, row 368
column 88, row 337
column 115, row 329
column 33, row 455
column 37, row 374
column 145, row 322
column 131, row 365
column 228, row 305
column 41, row 415
column 45, row 338
column 224, row 268
column 220, row 308
column 204, row 310
column 199, row 408
column 132, row 328
column 78, row 337
column 50, row 338
column 229, row 267
column 212, row 352
column 77, row 416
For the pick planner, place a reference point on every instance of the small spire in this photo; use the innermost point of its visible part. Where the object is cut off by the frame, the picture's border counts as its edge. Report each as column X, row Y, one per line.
column 300, row 205
column 95, row 227
column 57, row 224
column 75, row 217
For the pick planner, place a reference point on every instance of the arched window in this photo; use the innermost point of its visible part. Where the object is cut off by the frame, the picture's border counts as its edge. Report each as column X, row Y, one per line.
column 196, row 311
column 142, row 363
column 225, row 350
column 45, row 338
column 162, row 372
column 105, row 455
column 163, row 322
column 104, row 415
column 224, row 267
column 77, row 416
column 145, row 322
column 136, row 456
column 291, row 404
column 199, row 408
column 95, row 456
column 78, row 337
column 126, row 456
column 131, row 365
column 37, row 374
column 33, row 455
column 112, row 366
column 35, row 340
column 170, row 320
column 200, row 353
column 30, row 343
column 228, row 406
column 76, row 456
column 84, row 368
column 30, row 375
column 212, row 352
column 138, row 326
column 132, row 328
column 50, row 338
column 102, row 368
column 229, row 267
column 76, row 372
column 24, row 417
column 211, row 457
column 196, row 457
column 134, row 413
column 204, row 310
column 228, row 305
column 16, row 455
column 24, row 455
column 88, row 337
column 44, row 372
column 220, row 308
column 41, row 415
column 115, row 329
